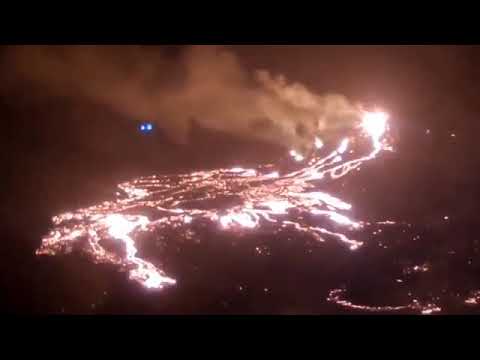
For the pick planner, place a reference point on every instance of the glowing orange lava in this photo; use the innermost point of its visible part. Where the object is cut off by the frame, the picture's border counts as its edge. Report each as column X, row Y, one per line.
column 335, row 296
column 284, row 201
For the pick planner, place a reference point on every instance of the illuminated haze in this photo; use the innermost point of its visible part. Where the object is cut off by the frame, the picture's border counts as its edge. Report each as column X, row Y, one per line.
column 207, row 84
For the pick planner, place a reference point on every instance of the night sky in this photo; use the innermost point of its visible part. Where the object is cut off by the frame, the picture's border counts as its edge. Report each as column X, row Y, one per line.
column 62, row 152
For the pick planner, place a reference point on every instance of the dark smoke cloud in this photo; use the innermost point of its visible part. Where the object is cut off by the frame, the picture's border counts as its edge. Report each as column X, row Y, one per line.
column 204, row 83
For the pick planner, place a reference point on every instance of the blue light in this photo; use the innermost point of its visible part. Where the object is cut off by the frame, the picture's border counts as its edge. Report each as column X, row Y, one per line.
column 146, row 127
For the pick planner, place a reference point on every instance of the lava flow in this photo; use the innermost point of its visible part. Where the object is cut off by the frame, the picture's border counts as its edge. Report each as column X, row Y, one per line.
column 262, row 197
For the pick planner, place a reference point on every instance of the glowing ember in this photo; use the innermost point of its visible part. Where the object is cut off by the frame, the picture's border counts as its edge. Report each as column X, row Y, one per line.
column 343, row 146
column 298, row 157
column 416, row 269
column 318, row 143
column 283, row 201
column 474, row 299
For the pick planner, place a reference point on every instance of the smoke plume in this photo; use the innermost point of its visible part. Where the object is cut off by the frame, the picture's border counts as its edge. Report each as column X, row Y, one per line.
column 204, row 83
